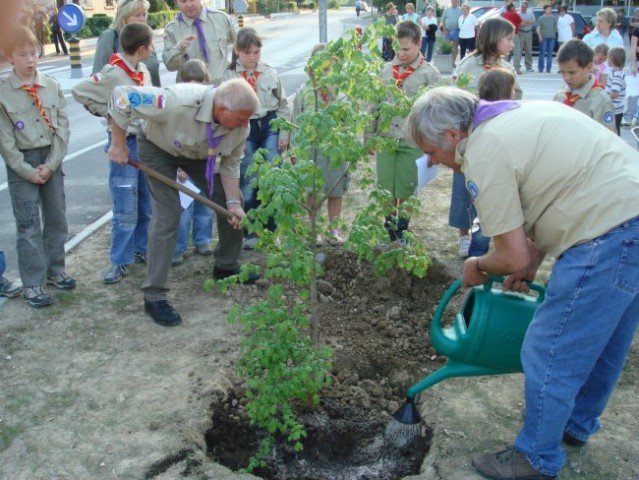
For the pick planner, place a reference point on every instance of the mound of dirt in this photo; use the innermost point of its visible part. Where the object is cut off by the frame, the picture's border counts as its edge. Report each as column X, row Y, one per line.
column 378, row 329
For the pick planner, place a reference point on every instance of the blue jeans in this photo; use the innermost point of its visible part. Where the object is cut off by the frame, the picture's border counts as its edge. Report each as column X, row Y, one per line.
column 3, row 264
column 546, row 50
column 576, row 346
column 479, row 243
column 131, row 208
column 462, row 211
column 202, row 219
column 427, row 48
column 261, row 136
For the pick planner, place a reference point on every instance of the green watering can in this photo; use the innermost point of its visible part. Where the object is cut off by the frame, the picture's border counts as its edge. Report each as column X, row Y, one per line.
column 485, row 338
column 486, row 335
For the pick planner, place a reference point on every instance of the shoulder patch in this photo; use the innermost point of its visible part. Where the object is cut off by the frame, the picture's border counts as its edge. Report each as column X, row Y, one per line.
column 122, row 102
column 96, row 77
column 608, row 118
column 472, row 188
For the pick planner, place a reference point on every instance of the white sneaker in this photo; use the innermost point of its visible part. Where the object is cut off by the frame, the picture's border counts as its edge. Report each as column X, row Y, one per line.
column 464, row 245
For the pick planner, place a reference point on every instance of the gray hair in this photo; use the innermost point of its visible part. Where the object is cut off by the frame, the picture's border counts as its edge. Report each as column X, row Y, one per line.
column 438, row 110
column 126, row 8
column 237, row 94
column 609, row 15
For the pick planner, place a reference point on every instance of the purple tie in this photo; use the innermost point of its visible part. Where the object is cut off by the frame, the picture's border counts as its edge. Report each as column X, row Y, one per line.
column 201, row 39
column 210, row 162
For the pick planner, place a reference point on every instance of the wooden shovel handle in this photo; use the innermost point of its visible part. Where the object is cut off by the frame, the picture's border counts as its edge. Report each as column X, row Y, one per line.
column 178, row 186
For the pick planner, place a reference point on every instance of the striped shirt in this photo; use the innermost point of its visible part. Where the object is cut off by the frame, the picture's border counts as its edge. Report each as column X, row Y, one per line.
column 617, row 83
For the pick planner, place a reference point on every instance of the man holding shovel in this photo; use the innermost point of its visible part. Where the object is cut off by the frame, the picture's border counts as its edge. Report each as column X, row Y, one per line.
column 203, row 131
column 571, row 191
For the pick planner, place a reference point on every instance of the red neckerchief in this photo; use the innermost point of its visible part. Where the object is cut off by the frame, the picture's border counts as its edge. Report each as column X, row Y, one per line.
column 399, row 79
column 571, row 98
column 324, row 97
column 137, row 77
column 251, row 78
column 33, row 91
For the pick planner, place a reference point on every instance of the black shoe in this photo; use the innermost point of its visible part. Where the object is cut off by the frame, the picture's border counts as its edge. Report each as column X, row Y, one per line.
column 568, row 439
column 221, row 274
column 162, row 313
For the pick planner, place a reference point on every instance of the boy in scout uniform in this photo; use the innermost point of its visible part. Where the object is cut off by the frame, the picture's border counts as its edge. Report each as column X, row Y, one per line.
column 131, row 201
column 396, row 169
column 203, row 131
column 34, row 134
column 198, row 32
column 582, row 92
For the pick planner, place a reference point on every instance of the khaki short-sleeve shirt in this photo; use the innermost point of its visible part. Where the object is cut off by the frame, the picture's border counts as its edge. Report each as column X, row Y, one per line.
column 95, row 92
column 562, row 183
column 220, row 33
column 593, row 102
column 269, row 91
column 424, row 75
column 474, row 66
column 175, row 120
column 22, row 126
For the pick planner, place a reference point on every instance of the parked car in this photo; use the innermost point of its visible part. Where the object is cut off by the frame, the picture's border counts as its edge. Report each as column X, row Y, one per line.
column 479, row 11
column 581, row 26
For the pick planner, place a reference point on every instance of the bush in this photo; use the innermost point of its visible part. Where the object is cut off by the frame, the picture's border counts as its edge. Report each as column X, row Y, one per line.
column 157, row 6
column 291, row 7
column 333, row 4
column 311, row 5
column 159, row 20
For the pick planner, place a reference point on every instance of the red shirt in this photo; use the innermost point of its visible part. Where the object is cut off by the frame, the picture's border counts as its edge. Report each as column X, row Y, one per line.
column 514, row 18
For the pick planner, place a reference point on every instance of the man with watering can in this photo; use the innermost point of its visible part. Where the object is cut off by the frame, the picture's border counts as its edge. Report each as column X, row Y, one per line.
column 563, row 193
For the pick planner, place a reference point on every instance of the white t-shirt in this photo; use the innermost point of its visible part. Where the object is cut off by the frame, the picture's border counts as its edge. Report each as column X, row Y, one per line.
column 467, row 26
column 427, row 21
column 564, row 32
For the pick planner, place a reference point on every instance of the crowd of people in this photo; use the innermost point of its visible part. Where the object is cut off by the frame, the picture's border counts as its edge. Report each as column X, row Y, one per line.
column 570, row 189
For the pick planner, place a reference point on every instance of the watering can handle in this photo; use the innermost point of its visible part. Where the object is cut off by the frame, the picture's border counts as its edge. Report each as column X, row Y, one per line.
column 456, row 285
column 540, row 289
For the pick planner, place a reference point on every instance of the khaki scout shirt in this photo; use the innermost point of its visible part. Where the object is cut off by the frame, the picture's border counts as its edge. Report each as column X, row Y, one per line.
column 22, row 126
column 563, row 184
column 174, row 119
column 425, row 74
column 269, row 91
column 594, row 103
column 474, row 66
column 220, row 32
column 95, row 92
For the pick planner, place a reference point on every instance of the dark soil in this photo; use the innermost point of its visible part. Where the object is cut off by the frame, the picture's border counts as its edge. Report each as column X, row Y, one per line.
column 378, row 328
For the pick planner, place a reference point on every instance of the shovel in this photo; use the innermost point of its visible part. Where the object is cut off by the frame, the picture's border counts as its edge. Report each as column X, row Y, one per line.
column 178, row 186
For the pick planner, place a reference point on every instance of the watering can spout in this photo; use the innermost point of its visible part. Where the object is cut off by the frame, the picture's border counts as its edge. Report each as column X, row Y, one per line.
column 407, row 414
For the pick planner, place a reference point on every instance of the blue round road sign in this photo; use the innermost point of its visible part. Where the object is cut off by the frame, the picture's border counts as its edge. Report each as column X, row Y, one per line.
column 71, row 18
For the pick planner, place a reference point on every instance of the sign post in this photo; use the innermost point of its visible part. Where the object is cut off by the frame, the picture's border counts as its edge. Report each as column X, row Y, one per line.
column 240, row 7
column 71, row 18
